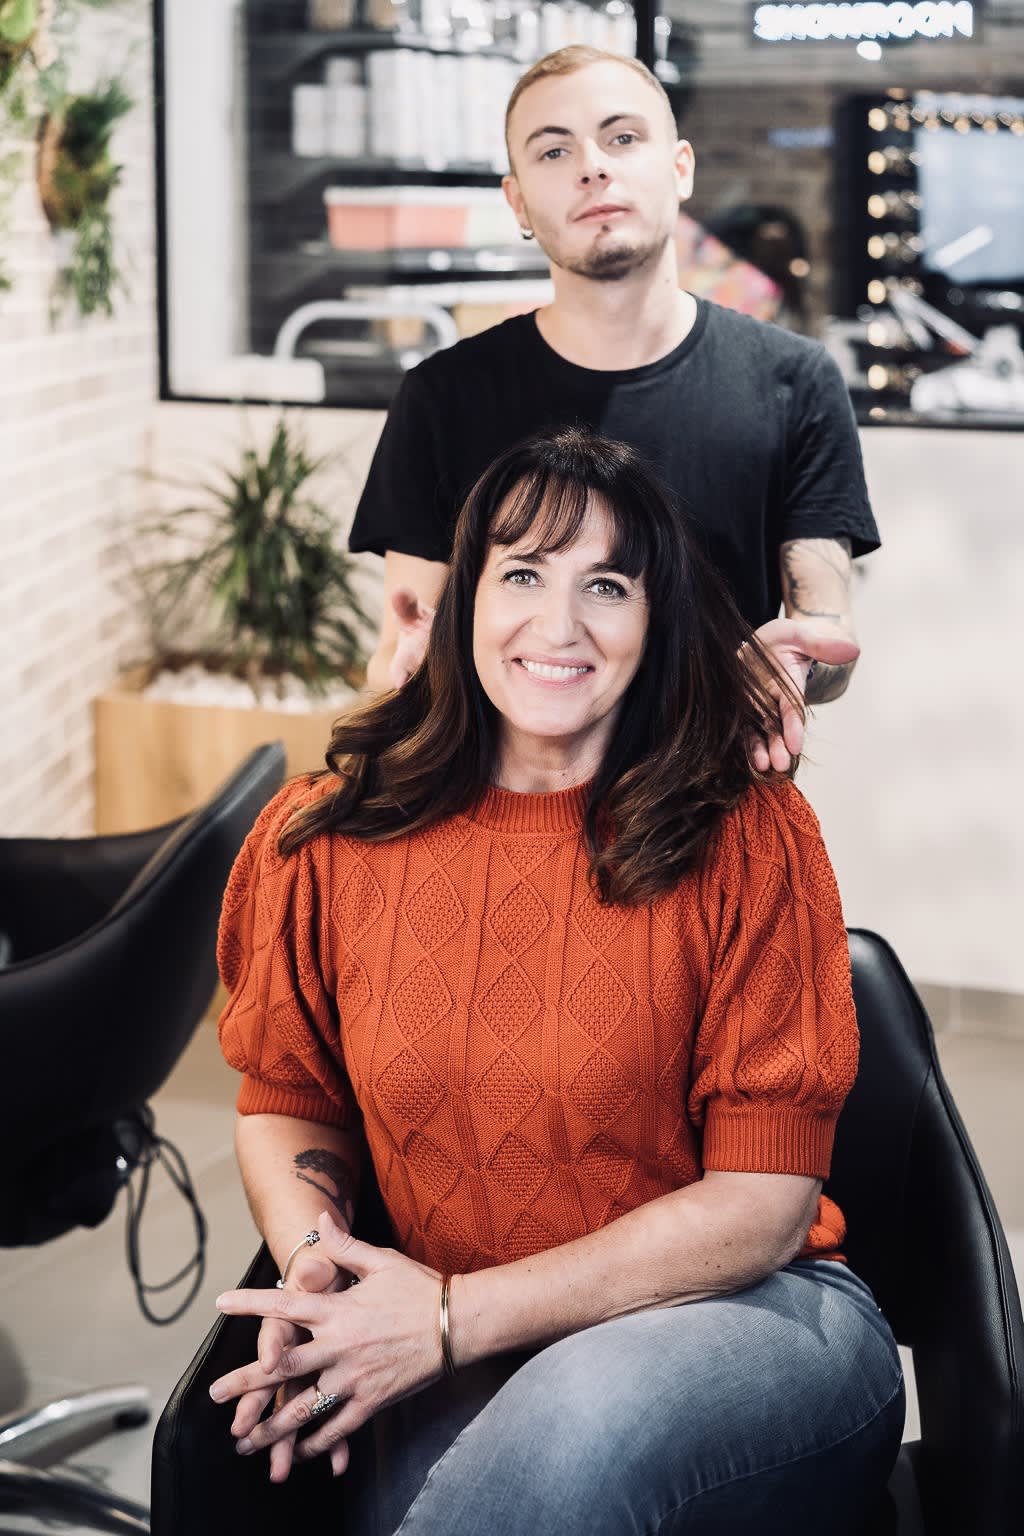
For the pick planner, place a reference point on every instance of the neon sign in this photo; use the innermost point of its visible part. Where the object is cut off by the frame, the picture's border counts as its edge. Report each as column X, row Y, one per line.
column 870, row 19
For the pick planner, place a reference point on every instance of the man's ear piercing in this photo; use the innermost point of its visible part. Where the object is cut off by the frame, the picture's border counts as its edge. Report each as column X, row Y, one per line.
column 527, row 234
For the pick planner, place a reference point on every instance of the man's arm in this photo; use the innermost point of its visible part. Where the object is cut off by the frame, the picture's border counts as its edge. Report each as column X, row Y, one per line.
column 403, row 639
column 816, row 578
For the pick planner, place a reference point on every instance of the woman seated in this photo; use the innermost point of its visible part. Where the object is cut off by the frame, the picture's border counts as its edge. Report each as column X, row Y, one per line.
column 575, row 976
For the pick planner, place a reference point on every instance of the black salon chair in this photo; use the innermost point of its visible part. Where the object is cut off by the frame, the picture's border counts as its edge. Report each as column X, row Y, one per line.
column 924, row 1234
column 109, row 966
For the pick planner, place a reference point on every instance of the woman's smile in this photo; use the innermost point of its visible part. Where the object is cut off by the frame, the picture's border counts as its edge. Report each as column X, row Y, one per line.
column 552, row 671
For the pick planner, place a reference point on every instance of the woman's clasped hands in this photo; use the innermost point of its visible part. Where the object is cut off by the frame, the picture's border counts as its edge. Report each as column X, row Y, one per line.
column 363, row 1345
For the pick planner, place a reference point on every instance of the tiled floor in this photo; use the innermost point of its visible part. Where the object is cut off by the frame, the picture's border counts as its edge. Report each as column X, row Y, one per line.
column 68, row 1316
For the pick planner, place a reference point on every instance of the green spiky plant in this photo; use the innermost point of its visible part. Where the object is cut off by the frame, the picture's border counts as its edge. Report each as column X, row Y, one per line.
column 265, row 578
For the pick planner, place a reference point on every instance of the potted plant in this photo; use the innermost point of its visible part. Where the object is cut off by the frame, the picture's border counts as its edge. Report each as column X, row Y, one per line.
column 257, row 633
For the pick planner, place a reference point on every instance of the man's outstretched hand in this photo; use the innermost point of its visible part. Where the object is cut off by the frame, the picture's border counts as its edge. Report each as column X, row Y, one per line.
column 794, row 644
column 414, row 621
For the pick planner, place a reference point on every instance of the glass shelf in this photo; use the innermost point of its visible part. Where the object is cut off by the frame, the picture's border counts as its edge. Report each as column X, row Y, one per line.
column 280, row 54
column 285, row 175
column 284, row 274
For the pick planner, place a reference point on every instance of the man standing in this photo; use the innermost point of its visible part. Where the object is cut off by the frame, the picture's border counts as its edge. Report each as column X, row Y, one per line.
column 749, row 426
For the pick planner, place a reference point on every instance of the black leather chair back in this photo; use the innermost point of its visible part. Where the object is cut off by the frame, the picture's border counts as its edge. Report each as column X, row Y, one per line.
column 924, row 1233
column 92, row 1028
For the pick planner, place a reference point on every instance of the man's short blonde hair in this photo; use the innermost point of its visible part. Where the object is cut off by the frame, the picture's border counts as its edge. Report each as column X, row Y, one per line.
column 566, row 61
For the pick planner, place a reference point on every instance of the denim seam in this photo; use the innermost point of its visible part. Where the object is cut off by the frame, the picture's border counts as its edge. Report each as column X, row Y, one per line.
column 791, row 1461
column 429, row 1477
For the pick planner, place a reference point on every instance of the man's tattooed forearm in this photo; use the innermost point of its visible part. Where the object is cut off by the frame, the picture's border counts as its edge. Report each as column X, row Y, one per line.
column 830, row 568
column 332, row 1168
column 827, row 683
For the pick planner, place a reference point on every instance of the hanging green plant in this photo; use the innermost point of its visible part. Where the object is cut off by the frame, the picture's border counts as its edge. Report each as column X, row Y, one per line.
column 76, row 176
column 17, row 25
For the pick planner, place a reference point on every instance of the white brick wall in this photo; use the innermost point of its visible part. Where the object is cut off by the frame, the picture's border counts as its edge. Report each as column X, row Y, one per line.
column 76, row 399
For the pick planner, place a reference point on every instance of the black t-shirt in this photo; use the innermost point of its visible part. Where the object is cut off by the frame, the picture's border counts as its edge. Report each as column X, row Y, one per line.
column 749, row 426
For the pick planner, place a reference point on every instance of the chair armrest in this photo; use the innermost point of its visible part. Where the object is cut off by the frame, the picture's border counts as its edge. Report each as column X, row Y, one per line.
column 52, row 889
column 199, row 1482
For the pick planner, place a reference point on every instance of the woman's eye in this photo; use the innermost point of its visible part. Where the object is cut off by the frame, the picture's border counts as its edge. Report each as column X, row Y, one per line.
column 604, row 587
column 519, row 578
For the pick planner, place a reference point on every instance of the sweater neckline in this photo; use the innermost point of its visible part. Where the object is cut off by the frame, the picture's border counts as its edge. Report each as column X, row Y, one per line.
column 509, row 811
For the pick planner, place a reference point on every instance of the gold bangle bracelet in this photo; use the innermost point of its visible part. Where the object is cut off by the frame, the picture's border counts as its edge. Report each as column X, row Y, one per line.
column 447, row 1358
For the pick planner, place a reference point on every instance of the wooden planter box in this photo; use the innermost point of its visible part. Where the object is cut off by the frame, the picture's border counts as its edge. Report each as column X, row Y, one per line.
column 157, row 760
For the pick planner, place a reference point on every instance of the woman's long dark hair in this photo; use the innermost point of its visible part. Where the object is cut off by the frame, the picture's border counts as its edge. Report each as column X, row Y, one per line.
column 679, row 755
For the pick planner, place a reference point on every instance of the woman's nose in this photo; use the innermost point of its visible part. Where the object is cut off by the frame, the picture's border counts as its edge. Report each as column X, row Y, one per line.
column 557, row 623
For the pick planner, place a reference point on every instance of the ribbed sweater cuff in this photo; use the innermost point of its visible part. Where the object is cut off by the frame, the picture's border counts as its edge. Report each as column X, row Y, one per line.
column 763, row 1139
column 258, row 1098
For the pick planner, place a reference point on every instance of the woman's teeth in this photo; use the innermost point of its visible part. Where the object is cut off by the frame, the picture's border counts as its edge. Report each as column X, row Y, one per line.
column 553, row 674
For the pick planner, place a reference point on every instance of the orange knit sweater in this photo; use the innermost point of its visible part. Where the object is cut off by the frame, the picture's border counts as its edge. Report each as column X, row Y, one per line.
column 526, row 1063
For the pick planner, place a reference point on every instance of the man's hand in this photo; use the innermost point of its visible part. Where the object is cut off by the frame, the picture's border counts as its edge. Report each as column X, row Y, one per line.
column 796, row 647
column 414, row 621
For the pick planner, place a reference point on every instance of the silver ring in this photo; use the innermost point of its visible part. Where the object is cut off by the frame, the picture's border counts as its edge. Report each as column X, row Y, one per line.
column 325, row 1401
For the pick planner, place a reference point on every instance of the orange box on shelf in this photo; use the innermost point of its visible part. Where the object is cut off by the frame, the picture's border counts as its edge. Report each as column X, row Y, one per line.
column 414, row 218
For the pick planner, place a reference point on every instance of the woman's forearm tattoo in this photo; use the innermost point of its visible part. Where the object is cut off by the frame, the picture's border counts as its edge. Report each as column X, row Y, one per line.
column 332, row 1170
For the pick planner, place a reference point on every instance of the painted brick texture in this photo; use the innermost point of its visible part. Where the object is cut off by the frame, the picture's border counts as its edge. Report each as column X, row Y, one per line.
column 76, row 400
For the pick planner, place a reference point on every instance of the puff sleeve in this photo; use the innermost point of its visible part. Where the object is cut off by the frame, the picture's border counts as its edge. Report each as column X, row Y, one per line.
column 776, row 1049
column 280, row 1026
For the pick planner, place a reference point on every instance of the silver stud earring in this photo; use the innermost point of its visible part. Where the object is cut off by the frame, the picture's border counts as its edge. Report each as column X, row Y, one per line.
column 527, row 234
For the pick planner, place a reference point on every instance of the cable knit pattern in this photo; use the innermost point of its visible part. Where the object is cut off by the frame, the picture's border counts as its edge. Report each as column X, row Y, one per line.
column 526, row 1063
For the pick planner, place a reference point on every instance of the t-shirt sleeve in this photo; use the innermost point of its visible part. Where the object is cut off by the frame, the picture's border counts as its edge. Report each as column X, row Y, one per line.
column 826, row 495
column 279, row 1028
column 407, row 504
column 776, row 1051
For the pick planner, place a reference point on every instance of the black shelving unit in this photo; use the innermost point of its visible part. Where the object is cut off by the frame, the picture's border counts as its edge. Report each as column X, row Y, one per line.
column 291, row 260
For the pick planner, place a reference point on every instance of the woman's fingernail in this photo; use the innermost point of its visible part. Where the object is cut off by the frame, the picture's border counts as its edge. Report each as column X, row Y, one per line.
column 217, row 1392
column 244, row 1447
